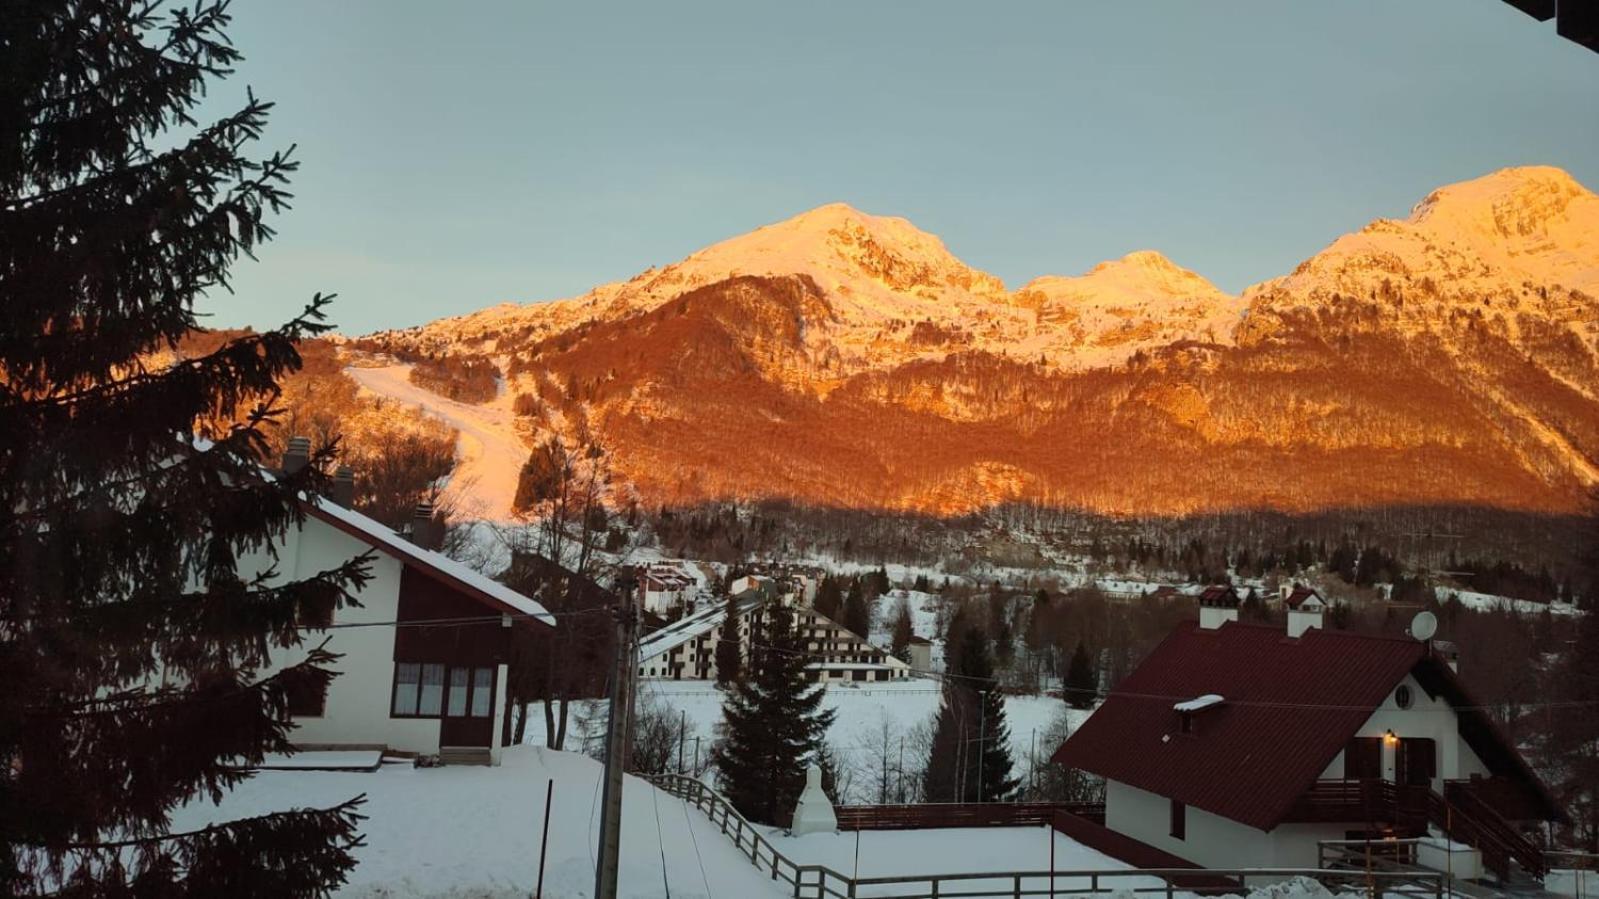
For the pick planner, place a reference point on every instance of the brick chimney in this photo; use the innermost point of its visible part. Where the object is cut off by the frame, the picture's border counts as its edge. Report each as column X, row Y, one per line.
column 344, row 486
column 297, row 454
column 424, row 530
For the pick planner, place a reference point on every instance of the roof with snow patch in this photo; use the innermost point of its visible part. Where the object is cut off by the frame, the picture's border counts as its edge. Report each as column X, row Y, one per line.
column 1292, row 704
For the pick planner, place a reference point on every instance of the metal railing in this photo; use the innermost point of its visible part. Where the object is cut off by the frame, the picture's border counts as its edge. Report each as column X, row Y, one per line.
column 822, row 882
column 960, row 814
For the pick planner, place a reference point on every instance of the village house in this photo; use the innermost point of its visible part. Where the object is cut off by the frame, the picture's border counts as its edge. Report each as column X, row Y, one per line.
column 435, row 689
column 1244, row 745
column 666, row 587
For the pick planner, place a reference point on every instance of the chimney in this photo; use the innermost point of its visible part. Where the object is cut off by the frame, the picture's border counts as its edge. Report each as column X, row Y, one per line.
column 344, row 486
column 1305, row 610
column 297, row 455
column 1218, row 605
column 424, row 532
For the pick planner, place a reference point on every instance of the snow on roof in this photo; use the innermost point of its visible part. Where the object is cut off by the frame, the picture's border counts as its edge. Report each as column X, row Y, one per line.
column 689, row 627
column 382, row 538
column 1198, row 703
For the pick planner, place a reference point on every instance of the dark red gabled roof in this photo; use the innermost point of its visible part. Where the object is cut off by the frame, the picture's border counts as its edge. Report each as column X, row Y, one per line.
column 1299, row 594
column 1219, row 595
column 1290, row 706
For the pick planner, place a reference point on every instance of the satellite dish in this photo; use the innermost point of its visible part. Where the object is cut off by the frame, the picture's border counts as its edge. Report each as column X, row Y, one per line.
column 1424, row 625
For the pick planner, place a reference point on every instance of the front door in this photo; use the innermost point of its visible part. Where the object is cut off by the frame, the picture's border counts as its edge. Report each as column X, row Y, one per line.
column 468, row 707
column 1417, row 761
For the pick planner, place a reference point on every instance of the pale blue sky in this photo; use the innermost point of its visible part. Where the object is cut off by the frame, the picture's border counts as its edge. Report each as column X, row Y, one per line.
column 456, row 155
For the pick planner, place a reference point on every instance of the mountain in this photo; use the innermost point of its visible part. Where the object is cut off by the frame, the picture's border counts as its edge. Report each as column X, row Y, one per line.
column 847, row 359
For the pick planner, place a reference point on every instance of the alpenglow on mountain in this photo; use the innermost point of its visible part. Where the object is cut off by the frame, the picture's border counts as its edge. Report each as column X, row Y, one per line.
column 845, row 359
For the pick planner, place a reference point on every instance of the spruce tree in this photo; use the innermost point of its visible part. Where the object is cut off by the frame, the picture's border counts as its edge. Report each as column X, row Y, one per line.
column 904, row 630
column 969, row 760
column 829, row 597
column 857, row 614
column 729, row 652
column 774, row 725
column 1082, row 682
column 133, row 651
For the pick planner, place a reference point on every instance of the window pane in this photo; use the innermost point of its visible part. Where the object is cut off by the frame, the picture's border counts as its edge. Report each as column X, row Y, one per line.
column 406, row 676
column 458, row 682
column 482, row 692
column 432, row 701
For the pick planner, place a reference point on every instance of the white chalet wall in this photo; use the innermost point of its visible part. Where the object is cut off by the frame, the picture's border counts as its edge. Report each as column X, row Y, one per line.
column 357, row 708
column 1428, row 717
column 1211, row 840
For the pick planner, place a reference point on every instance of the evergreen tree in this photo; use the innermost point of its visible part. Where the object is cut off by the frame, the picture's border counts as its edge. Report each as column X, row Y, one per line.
column 829, row 597
column 729, row 652
column 1573, row 739
column 133, row 645
column 857, row 613
column 969, row 759
column 899, row 645
column 1082, row 682
column 774, row 725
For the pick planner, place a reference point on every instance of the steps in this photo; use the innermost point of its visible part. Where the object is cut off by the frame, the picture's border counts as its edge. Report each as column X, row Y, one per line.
column 465, row 755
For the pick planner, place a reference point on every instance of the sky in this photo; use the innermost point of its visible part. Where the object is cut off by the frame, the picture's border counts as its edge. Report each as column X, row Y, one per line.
column 458, row 155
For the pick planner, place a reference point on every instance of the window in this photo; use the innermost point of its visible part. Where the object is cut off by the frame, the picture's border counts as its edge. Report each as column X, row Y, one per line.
column 482, row 692
column 1187, row 725
column 407, row 675
column 460, row 685
column 307, row 700
column 1402, row 697
column 432, row 690
column 432, row 694
column 1179, row 820
column 1363, row 758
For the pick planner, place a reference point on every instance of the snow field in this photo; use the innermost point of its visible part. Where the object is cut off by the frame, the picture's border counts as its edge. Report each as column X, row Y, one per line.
column 473, row 833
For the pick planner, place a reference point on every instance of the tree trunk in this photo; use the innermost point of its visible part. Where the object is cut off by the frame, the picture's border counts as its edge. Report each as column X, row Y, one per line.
column 549, row 723
column 560, row 733
column 521, row 725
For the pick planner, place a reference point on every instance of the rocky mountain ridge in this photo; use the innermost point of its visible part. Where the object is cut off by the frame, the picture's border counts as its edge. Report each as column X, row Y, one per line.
column 849, row 359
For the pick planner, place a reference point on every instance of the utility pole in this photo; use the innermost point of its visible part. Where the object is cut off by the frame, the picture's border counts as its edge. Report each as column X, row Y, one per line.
column 619, row 719
column 982, row 722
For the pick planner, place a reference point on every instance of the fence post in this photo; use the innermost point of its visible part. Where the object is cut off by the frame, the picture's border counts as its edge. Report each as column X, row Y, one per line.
column 1017, row 884
column 1168, row 887
column 935, row 889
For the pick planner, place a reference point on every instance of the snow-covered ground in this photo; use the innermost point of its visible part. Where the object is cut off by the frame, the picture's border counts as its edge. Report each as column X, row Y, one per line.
column 1486, row 602
column 864, row 715
column 491, row 453
column 473, row 833
column 955, row 850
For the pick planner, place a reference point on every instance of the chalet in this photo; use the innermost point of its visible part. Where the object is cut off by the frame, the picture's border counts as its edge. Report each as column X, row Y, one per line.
column 403, row 685
column 1238, row 745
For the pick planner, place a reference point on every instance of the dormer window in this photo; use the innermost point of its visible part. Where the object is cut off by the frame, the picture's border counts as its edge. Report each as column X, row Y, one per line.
column 1188, row 709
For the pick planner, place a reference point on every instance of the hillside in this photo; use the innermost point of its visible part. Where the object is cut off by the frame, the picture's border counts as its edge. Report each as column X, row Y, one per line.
column 845, row 359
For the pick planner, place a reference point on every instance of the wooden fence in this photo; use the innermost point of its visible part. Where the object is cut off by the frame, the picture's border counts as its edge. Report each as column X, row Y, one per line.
column 822, row 882
column 942, row 814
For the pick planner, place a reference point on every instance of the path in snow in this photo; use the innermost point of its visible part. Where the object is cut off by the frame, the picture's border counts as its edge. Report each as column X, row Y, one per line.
column 491, row 452
column 473, row 833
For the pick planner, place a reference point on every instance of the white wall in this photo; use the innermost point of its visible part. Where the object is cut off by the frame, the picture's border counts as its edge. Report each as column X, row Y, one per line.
column 357, row 708
column 1211, row 840
column 1428, row 717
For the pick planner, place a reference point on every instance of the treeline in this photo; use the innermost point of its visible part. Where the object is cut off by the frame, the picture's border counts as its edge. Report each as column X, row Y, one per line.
column 467, row 379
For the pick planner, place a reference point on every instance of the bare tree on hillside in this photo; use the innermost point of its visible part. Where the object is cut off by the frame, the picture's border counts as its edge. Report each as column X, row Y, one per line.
column 570, row 543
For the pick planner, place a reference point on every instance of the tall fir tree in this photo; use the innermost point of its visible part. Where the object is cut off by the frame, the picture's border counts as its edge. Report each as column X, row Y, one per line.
column 774, row 724
column 829, row 597
column 1082, row 681
column 729, row 650
column 857, row 611
column 904, row 630
column 133, row 643
column 969, row 759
